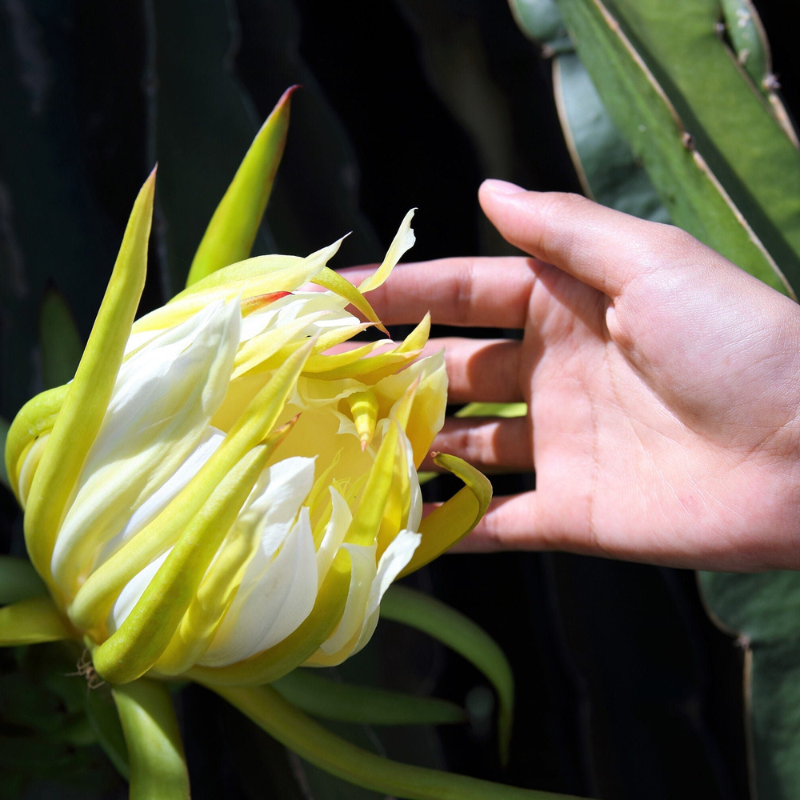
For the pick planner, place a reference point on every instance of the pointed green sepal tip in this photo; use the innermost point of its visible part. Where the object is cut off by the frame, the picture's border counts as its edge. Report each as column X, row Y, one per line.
column 88, row 395
column 230, row 234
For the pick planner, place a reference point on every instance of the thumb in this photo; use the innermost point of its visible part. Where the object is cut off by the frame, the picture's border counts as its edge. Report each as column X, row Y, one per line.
column 599, row 246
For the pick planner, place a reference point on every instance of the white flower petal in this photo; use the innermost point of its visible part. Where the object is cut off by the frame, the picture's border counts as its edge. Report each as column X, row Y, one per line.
column 340, row 520
column 160, row 409
column 361, row 578
column 393, row 561
column 164, row 494
column 296, row 305
column 274, row 505
column 275, row 606
column 415, row 511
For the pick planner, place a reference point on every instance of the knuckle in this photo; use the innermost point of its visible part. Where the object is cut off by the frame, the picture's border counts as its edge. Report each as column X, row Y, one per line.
column 463, row 292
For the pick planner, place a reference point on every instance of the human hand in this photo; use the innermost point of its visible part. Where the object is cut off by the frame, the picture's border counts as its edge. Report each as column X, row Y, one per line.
column 662, row 382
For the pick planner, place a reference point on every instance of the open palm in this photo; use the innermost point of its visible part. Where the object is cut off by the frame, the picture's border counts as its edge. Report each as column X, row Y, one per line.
column 663, row 386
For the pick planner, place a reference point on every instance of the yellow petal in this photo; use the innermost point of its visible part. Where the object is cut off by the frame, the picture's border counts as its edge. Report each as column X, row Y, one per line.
column 255, row 303
column 453, row 520
column 334, row 282
column 430, row 402
column 402, row 242
column 395, row 514
column 87, row 399
column 418, row 338
column 258, row 282
column 322, row 363
column 258, row 350
column 338, row 335
column 250, row 269
column 318, row 499
column 367, row 519
column 370, row 370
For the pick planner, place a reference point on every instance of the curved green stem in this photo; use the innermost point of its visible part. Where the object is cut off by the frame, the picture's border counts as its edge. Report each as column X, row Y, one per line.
column 103, row 716
column 461, row 634
column 157, row 766
column 292, row 728
column 346, row 702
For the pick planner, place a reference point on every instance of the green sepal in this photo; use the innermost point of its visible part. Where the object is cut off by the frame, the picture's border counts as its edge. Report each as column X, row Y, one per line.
column 230, row 234
column 32, row 621
column 89, row 393
column 461, row 634
column 36, row 418
column 503, row 410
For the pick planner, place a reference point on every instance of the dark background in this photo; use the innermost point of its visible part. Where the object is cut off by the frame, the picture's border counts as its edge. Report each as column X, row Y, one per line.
column 625, row 689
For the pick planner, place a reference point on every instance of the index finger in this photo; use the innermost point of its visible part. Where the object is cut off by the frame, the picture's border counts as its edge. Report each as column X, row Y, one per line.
column 478, row 292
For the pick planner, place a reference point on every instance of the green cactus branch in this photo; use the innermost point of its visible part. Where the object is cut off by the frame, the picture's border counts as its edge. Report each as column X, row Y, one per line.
column 640, row 108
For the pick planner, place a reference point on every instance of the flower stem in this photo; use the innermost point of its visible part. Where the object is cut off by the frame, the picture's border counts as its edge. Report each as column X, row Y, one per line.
column 292, row 728
column 157, row 765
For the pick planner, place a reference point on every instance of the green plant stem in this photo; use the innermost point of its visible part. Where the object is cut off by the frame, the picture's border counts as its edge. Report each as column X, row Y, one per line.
column 431, row 616
column 292, row 728
column 157, row 765
column 346, row 702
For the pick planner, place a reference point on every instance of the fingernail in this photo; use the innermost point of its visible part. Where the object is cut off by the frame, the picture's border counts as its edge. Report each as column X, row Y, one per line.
column 501, row 187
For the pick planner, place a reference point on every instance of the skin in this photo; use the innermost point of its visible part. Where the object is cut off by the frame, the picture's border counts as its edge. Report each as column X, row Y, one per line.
column 663, row 386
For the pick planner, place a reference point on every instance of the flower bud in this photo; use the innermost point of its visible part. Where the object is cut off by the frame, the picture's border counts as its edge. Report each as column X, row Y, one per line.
column 231, row 499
